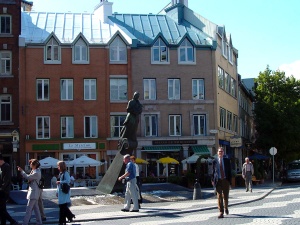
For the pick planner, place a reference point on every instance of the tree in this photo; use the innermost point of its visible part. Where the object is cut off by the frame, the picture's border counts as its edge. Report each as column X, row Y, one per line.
column 277, row 113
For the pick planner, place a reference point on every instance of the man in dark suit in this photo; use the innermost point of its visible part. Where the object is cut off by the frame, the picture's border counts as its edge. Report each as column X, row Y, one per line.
column 221, row 180
column 5, row 186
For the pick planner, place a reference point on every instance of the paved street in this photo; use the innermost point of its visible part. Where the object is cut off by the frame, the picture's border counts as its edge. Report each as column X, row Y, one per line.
column 265, row 205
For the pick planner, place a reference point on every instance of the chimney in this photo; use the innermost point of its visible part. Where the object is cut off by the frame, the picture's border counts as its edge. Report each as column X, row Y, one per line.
column 183, row 2
column 103, row 10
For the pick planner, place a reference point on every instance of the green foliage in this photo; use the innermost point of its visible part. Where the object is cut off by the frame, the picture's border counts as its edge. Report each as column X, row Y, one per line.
column 277, row 112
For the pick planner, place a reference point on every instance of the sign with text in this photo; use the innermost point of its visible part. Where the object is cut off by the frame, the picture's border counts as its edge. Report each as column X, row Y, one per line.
column 79, row 146
column 235, row 142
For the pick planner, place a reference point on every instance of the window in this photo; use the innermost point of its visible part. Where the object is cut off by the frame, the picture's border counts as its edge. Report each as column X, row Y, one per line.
column 151, row 125
column 229, row 120
column 118, row 89
column 89, row 89
column 66, row 89
column 230, row 54
column 175, row 125
column 224, row 47
column 160, row 52
column 80, row 52
column 186, row 52
column 149, row 89
column 118, row 51
column 227, row 82
column 199, row 125
column 42, row 89
column 52, row 52
column 90, row 127
column 222, row 118
column 233, row 87
column 235, row 123
column 5, row 24
column 116, row 125
column 5, row 112
column 221, row 77
column 198, row 89
column 5, row 67
column 67, row 126
column 174, row 89
column 42, row 127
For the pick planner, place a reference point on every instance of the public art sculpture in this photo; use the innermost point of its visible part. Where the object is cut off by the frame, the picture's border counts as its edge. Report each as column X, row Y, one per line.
column 127, row 143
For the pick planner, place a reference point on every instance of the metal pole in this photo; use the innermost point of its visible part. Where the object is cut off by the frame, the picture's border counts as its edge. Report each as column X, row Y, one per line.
column 273, row 170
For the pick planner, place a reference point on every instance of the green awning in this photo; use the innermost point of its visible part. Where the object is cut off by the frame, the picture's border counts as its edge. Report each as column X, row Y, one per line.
column 161, row 148
column 200, row 149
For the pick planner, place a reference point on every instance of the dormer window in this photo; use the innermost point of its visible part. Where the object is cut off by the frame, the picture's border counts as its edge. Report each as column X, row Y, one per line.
column 80, row 52
column 118, row 51
column 160, row 52
column 52, row 52
column 186, row 53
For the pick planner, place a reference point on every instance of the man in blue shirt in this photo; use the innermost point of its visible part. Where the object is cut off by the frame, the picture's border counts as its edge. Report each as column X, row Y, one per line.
column 131, row 191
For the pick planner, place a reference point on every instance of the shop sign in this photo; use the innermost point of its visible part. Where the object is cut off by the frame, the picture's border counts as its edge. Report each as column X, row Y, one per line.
column 79, row 146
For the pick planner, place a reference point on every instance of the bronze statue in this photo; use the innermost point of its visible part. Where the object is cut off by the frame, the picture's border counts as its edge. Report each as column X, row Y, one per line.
column 127, row 143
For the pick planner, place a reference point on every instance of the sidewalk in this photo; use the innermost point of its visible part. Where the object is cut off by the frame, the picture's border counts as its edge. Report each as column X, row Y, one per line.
column 110, row 212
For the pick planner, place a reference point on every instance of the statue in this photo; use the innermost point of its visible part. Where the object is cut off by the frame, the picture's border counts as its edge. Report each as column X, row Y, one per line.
column 127, row 143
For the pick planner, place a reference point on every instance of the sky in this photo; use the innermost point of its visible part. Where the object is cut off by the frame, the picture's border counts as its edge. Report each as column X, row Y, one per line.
column 265, row 32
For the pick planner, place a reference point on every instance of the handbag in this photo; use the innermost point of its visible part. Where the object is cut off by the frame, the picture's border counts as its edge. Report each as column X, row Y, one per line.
column 65, row 188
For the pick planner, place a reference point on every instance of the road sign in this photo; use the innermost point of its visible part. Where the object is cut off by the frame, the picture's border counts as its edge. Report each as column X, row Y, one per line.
column 273, row 151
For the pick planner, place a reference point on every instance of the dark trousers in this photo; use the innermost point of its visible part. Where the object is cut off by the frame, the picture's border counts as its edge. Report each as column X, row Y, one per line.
column 139, row 184
column 3, row 211
column 64, row 212
column 222, row 189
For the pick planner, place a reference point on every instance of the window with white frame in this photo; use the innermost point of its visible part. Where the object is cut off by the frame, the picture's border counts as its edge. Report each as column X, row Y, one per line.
column 90, row 89
column 175, row 125
column 229, row 120
column 118, row 89
column 52, row 52
column 151, row 125
column 160, row 52
column 221, row 77
column 227, row 82
column 5, row 108
column 222, row 118
column 80, row 52
column 66, row 89
column 42, row 127
column 224, row 47
column 90, row 127
column 118, row 51
column 233, row 87
column 198, row 89
column 186, row 52
column 42, row 89
column 149, row 89
column 116, row 125
column 6, row 61
column 235, row 123
column 5, row 24
column 174, row 89
column 199, row 123
column 230, row 54
column 67, row 126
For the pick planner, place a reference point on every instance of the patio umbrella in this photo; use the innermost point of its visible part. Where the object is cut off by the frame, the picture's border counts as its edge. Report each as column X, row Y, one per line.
column 191, row 159
column 140, row 161
column 48, row 162
column 84, row 161
column 167, row 160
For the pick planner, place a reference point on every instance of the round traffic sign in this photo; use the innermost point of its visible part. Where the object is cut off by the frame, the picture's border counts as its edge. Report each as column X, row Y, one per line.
column 273, row 151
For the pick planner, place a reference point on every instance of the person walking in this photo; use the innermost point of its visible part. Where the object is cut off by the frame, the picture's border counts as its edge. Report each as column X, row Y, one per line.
column 63, row 198
column 138, row 180
column 5, row 186
column 131, row 191
column 41, row 206
column 221, row 180
column 247, row 173
column 34, row 191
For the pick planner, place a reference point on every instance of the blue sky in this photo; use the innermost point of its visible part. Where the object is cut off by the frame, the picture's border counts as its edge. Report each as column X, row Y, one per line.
column 265, row 32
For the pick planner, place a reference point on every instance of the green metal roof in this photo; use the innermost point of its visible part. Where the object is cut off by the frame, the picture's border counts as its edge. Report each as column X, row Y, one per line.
column 200, row 149
column 162, row 148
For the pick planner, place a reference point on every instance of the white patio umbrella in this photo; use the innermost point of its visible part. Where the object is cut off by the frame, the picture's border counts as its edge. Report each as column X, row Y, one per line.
column 48, row 162
column 191, row 159
column 84, row 161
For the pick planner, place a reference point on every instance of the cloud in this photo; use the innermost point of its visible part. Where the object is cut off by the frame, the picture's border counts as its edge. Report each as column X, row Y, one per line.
column 291, row 69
